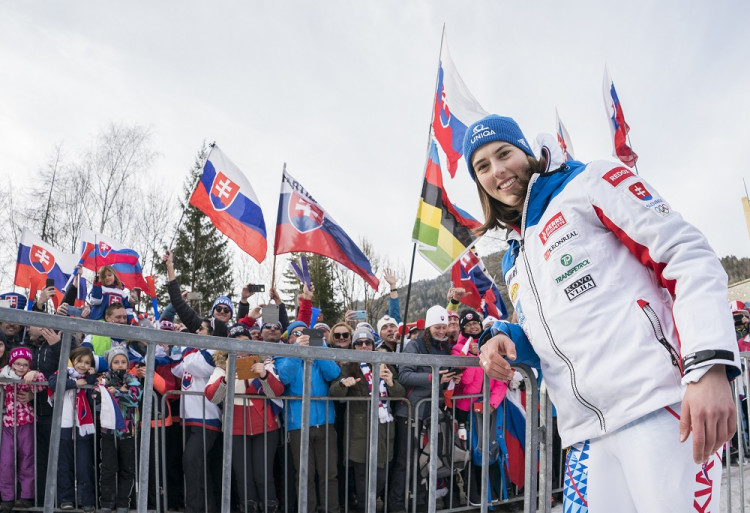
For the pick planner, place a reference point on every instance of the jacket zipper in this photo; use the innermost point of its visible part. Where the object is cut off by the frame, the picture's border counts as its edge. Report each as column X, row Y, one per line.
column 556, row 349
column 659, row 333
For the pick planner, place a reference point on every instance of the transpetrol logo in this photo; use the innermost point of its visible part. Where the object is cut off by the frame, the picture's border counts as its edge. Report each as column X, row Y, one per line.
column 566, row 259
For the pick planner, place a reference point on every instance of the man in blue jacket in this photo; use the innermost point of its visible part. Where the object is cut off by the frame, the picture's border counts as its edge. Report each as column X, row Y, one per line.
column 322, row 444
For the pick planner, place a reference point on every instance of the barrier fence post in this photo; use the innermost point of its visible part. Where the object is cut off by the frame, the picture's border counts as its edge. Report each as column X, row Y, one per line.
column 532, row 439
column 434, row 406
column 147, row 414
column 545, row 451
column 372, row 481
column 50, row 491
column 485, row 443
column 304, row 449
column 228, row 428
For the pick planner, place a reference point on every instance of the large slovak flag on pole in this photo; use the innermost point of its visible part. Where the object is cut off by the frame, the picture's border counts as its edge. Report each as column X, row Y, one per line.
column 617, row 124
column 226, row 197
column 455, row 108
column 98, row 250
column 303, row 225
column 38, row 261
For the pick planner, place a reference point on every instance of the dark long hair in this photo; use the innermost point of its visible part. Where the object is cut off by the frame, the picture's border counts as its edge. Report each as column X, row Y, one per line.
column 500, row 215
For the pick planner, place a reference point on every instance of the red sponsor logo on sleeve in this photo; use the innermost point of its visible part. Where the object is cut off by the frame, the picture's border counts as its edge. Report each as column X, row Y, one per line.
column 555, row 223
column 617, row 176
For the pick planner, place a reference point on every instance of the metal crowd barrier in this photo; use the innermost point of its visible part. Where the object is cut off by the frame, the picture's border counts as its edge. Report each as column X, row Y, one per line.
column 152, row 337
column 538, row 451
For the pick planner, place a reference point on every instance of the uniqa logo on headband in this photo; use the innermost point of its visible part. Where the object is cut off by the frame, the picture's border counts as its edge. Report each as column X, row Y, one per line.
column 481, row 131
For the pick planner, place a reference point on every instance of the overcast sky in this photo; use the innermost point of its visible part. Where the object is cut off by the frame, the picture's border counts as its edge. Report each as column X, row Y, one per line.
column 342, row 92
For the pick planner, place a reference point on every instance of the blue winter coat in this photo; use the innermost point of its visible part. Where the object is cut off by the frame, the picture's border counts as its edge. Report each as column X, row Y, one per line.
column 291, row 372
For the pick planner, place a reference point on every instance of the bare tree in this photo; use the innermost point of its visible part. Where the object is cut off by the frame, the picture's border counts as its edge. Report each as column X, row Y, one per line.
column 120, row 155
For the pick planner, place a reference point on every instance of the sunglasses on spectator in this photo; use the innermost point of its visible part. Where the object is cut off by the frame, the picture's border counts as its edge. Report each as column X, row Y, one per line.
column 362, row 343
column 341, row 335
column 297, row 333
column 222, row 309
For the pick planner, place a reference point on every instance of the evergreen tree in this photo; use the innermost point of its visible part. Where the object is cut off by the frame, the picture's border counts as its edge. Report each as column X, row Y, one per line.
column 322, row 277
column 202, row 259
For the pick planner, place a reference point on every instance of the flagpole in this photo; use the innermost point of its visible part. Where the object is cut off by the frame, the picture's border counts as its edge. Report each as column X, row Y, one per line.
column 273, row 271
column 179, row 221
column 408, row 294
column 427, row 155
column 630, row 146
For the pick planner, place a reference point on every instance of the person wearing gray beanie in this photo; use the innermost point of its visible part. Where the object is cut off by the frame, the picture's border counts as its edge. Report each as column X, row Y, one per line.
column 603, row 274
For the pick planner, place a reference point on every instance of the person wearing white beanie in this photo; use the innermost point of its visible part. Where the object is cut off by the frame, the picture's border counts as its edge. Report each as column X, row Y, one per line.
column 417, row 380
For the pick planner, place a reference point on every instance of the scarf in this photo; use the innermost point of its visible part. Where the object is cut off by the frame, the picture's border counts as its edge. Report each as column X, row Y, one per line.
column 384, row 408
column 84, row 417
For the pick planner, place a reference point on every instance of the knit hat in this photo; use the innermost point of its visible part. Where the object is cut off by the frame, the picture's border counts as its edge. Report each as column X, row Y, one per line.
column 223, row 300
column 322, row 326
column 20, row 352
column 238, row 330
column 452, row 313
column 493, row 128
column 167, row 325
column 467, row 316
column 386, row 320
column 114, row 351
column 435, row 315
column 293, row 326
column 362, row 333
column 738, row 307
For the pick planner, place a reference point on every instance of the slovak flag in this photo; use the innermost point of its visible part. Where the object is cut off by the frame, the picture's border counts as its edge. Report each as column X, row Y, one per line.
column 98, row 250
column 455, row 108
column 617, row 124
column 226, row 197
column 563, row 138
column 303, row 225
column 37, row 261
column 470, row 274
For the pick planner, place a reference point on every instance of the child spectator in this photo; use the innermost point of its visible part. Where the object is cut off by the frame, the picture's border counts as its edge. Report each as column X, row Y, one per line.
column 120, row 392
column 107, row 290
column 18, row 417
column 77, row 425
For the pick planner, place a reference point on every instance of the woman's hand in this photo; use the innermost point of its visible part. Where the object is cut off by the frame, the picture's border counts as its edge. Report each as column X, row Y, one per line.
column 349, row 382
column 260, row 369
column 386, row 375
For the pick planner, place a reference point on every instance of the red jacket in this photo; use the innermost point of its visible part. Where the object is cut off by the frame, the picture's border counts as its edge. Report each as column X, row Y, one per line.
column 248, row 412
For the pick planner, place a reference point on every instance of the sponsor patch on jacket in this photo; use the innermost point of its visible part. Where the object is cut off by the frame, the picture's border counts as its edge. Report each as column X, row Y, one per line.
column 617, row 175
column 513, row 292
column 511, row 275
column 555, row 223
column 558, row 243
column 639, row 191
column 660, row 207
column 579, row 287
column 572, row 270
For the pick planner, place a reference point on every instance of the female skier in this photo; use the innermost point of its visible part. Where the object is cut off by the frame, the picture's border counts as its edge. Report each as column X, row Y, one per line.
column 603, row 274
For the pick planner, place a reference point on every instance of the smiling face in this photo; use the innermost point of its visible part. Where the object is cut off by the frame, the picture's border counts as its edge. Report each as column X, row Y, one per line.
column 82, row 364
column 223, row 313
column 502, row 170
column 438, row 331
column 20, row 366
